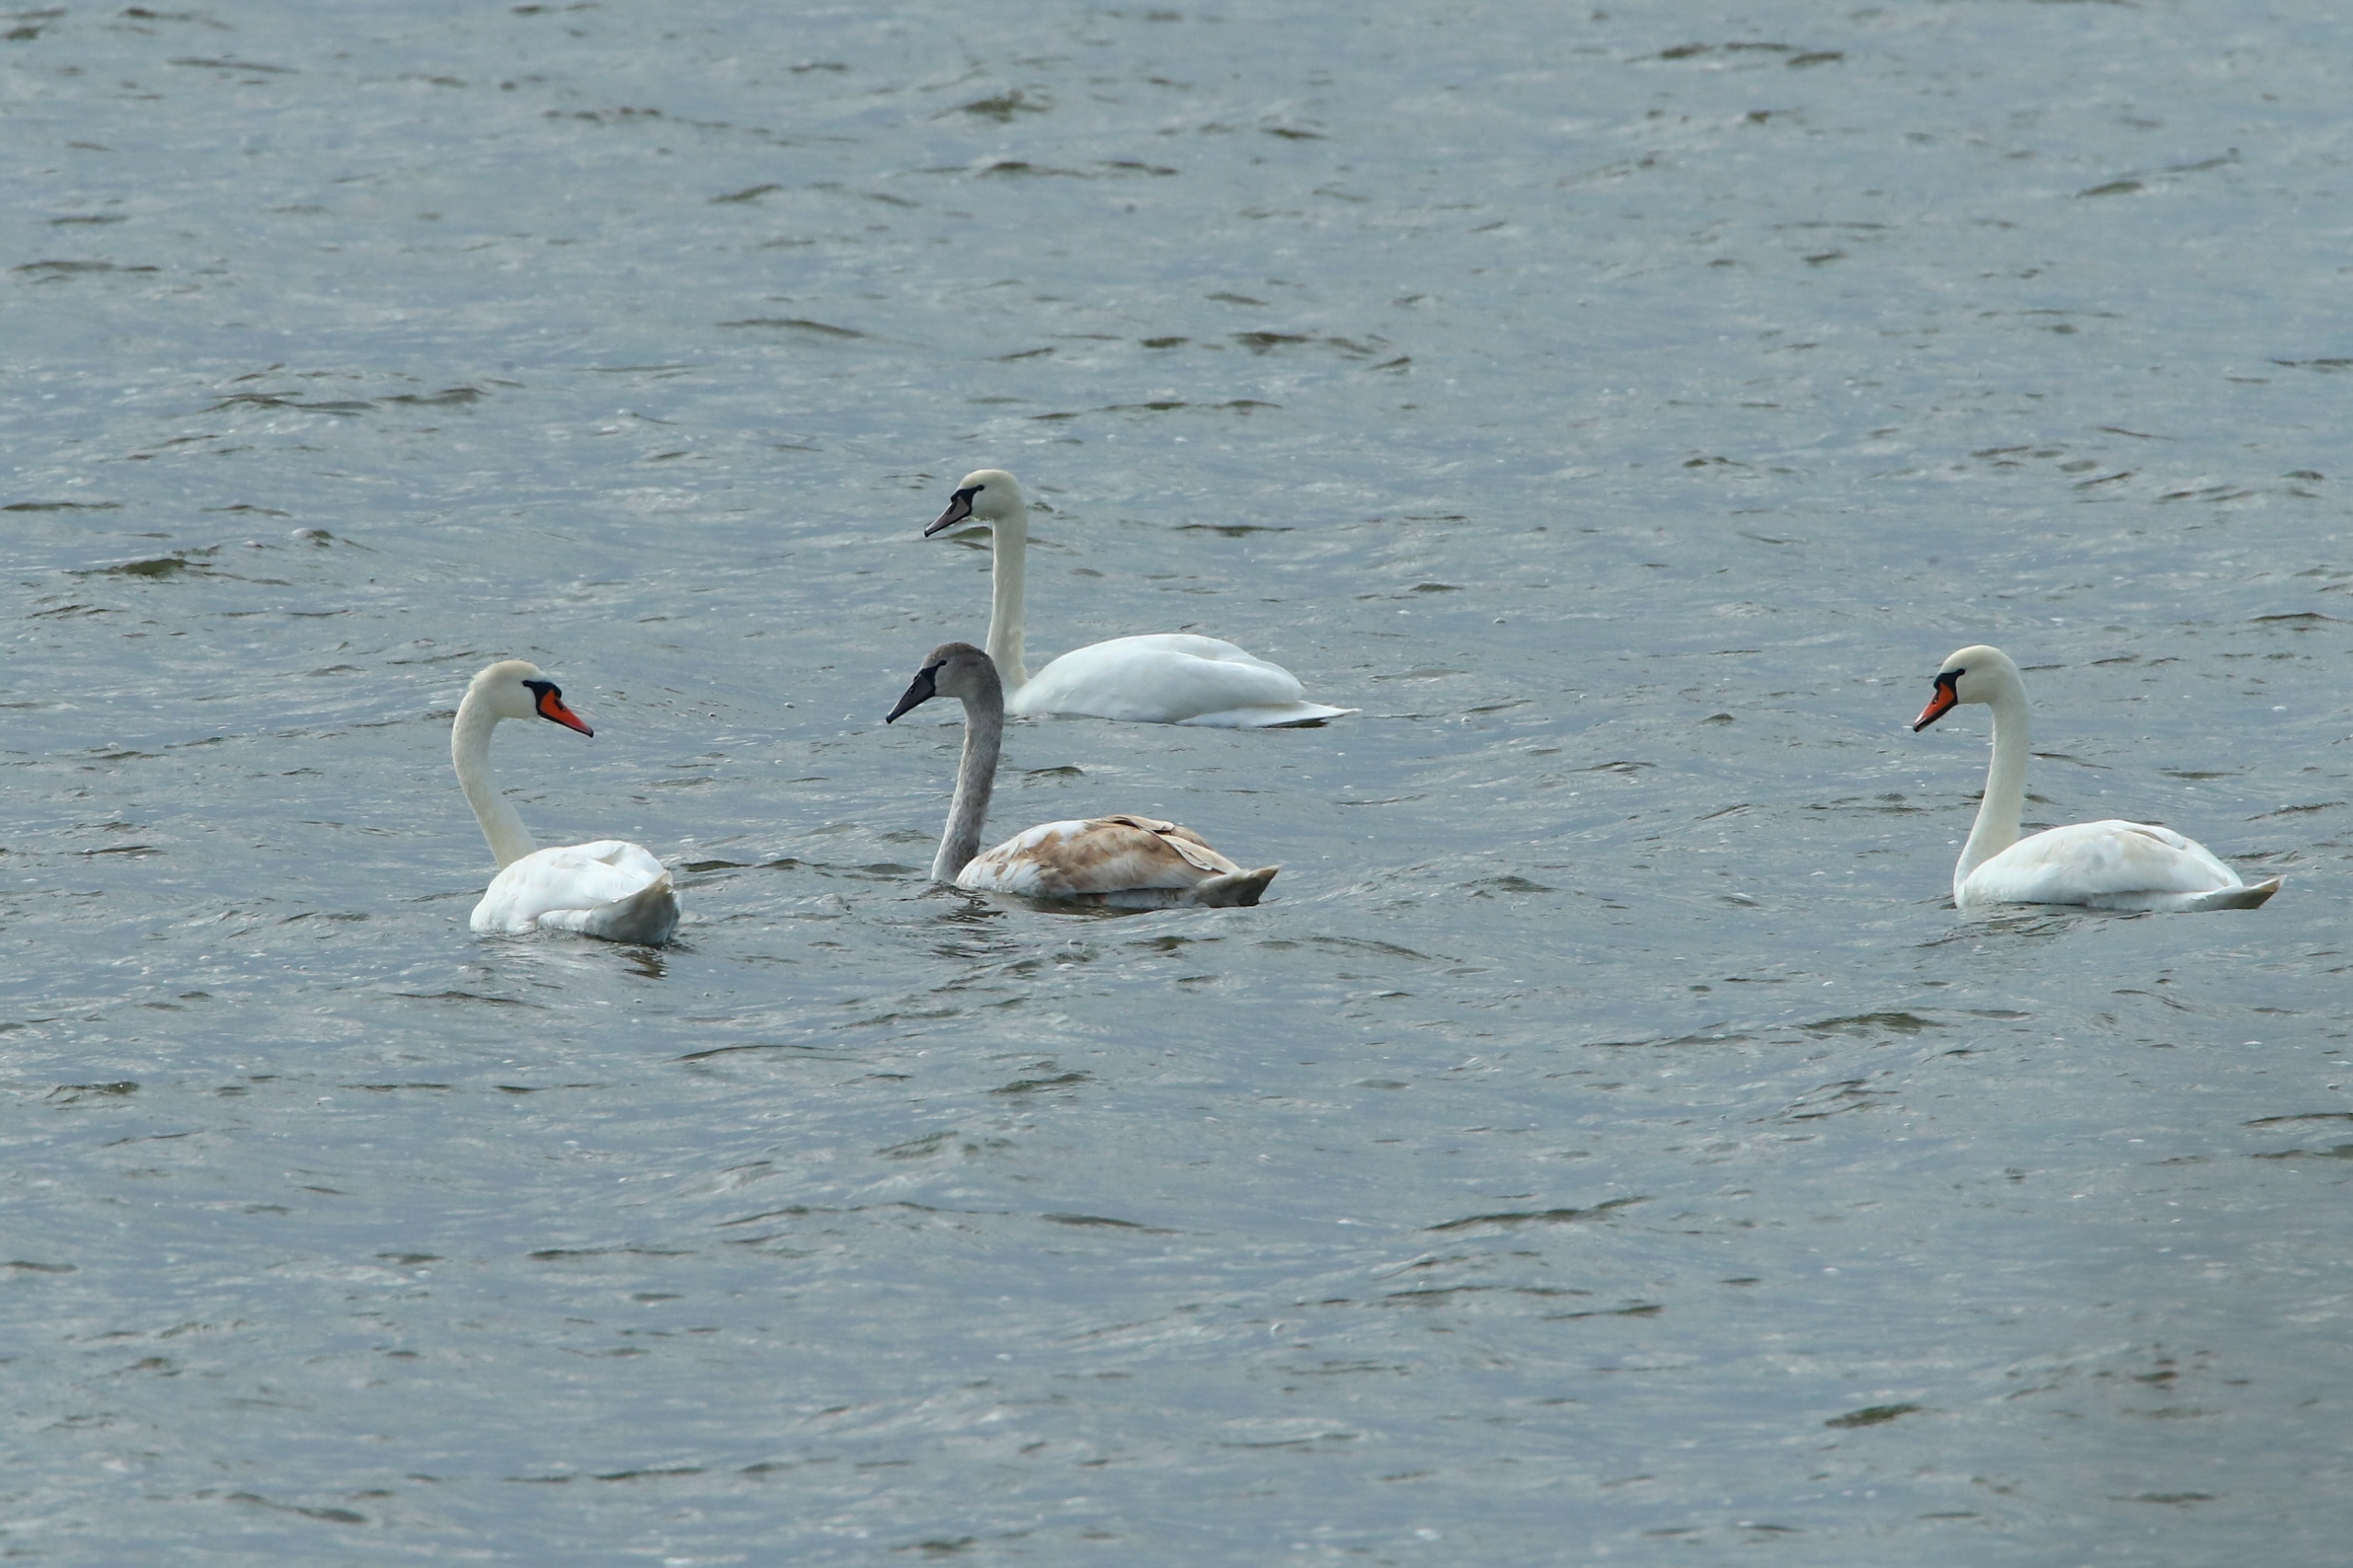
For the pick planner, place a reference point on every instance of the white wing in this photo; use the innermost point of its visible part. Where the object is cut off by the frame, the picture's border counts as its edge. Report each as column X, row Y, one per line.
column 608, row 889
column 2110, row 864
column 1169, row 677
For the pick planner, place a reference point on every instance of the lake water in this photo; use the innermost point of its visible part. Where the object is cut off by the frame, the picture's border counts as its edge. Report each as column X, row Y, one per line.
column 1606, row 1144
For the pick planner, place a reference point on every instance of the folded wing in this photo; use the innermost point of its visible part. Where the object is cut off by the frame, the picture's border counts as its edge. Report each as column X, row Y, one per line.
column 1170, row 677
column 610, row 888
column 1123, row 860
column 2118, row 864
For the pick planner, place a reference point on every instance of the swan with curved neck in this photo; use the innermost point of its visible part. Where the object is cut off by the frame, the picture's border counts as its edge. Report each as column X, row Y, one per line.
column 1169, row 677
column 1120, row 862
column 2104, row 864
column 608, row 889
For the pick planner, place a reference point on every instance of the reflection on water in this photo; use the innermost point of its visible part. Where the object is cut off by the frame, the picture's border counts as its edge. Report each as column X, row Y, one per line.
column 1606, row 1130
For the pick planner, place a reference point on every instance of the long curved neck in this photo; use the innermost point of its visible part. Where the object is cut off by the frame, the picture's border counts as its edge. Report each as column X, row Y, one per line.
column 2005, row 798
column 1009, row 552
column 975, row 778
column 470, row 754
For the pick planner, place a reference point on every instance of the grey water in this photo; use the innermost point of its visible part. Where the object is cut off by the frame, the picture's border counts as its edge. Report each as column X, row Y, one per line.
column 1606, row 1144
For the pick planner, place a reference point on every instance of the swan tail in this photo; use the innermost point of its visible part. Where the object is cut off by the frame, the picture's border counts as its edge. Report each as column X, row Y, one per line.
column 647, row 915
column 2232, row 897
column 2250, row 897
column 1234, row 889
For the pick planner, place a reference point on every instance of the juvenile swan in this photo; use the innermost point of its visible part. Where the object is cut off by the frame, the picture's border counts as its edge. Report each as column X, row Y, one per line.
column 607, row 889
column 2107, row 864
column 1123, row 862
column 1169, row 677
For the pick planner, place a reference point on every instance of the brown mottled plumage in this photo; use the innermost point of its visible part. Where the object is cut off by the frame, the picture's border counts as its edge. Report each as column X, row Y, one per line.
column 1125, row 862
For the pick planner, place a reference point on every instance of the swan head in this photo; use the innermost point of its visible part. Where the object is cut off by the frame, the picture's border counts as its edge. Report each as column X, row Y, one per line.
column 514, row 688
column 952, row 669
column 1976, row 674
column 987, row 495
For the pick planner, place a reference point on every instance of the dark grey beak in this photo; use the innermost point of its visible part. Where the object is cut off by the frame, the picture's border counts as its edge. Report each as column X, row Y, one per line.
column 919, row 691
column 960, row 506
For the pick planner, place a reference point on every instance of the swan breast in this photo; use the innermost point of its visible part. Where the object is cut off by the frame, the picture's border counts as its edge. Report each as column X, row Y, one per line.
column 2120, row 864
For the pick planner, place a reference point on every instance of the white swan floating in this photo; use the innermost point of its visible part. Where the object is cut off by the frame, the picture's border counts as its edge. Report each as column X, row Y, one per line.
column 2104, row 864
column 608, row 889
column 1170, row 677
column 1118, row 862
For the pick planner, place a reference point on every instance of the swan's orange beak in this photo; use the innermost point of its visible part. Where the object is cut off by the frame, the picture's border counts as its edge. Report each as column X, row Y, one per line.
column 960, row 506
column 552, row 707
column 1942, row 703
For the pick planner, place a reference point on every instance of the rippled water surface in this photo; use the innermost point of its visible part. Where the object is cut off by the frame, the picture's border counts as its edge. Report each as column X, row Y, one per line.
column 1607, row 1142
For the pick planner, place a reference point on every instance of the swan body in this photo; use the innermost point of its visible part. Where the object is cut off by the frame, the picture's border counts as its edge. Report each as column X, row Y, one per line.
column 2101, row 865
column 1122, row 862
column 610, row 888
column 1161, row 678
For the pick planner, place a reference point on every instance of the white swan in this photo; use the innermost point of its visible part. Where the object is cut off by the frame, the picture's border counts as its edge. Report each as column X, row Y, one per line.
column 1168, row 678
column 1122, row 862
column 2107, row 864
column 607, row 889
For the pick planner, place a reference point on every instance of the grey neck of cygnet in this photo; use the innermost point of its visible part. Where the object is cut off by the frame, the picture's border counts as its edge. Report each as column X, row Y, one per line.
column 975, row 779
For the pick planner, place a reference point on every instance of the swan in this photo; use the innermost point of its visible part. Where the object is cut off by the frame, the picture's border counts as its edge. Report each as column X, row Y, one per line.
column 1168, row 678
column 607, row 889
column 2107, row 864
column 1118, row 862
